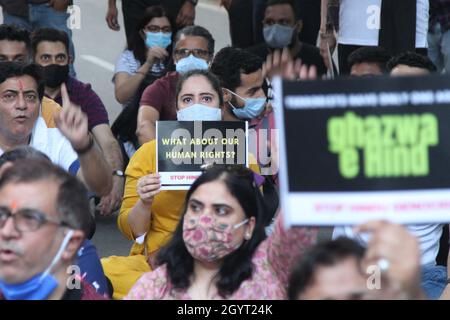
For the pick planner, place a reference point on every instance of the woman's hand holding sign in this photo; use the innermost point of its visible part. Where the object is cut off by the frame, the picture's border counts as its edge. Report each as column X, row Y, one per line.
column 148, row 187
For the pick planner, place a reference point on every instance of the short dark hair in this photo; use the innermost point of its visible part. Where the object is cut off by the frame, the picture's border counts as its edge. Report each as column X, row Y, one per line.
column 237, row 266
column 14, row 69
column 196, row 31
column 22, row 152
column 14, row 33
column 48, row 34
column 412, row 59
column 137, row 44
column 323, row 254
column 229, row 63
column 377, row 55
column 212, row 79
column 293, row 4
column 71, row 203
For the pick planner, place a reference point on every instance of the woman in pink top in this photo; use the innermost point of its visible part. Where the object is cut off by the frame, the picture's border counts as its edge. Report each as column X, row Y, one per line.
column 219, row 249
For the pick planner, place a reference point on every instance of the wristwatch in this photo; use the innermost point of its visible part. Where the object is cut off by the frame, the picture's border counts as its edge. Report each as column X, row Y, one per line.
column 194, row 2
column 118, row 173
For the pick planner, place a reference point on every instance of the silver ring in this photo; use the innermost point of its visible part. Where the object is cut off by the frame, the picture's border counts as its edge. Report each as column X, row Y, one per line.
column 383, row 264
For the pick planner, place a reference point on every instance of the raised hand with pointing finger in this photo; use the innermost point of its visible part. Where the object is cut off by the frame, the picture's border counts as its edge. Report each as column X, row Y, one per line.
column 73, row 124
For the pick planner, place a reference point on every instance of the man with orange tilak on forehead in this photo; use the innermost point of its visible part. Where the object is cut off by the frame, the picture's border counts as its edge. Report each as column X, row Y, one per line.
column 70, row 145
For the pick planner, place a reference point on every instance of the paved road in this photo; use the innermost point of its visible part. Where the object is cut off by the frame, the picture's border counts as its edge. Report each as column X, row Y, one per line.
column 97, row 49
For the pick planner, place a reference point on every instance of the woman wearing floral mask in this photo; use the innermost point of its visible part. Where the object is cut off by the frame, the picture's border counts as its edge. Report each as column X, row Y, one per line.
column 219, row 249
column 148, row 216
column 147, row 55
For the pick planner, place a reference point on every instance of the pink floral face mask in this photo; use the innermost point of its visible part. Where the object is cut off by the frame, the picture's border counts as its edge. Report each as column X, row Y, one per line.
column 207, row 241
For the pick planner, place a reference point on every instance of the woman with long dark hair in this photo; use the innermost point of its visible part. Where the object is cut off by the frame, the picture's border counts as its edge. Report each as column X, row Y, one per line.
column 147, row 55
column 148, row 215
column 219, row 249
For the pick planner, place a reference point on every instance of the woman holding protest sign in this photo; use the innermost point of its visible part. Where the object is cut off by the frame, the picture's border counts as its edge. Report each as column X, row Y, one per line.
column 149, row 216
column 219, row 249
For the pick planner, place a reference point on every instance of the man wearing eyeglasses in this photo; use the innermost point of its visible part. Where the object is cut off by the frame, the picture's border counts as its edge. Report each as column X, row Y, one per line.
column 41, row 232
column 70, row 145
column 193, row 49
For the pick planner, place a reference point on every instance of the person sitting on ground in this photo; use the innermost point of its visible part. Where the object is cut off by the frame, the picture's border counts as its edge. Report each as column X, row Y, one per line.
column 39, row 244
column 368, row 61
column 15, row 46
column 145, row 60
column 87, row 258
column 342, row 269
column 219, row 249
column 281, row 28
column 147, row 56
column 193, row 49
column 51, row 51
column 69, row 146
column 149, row 216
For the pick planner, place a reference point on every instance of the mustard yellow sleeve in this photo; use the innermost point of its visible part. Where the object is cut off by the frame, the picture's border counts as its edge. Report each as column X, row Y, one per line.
column 141, row 164
column 253, row 163
column 49, row 107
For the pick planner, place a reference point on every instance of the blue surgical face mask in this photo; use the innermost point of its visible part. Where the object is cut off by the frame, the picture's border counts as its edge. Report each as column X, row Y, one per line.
column 199, row 112
column 253, row 107
column 278, row 36
column 191, row 63
column 39, row 287
column 158, row 39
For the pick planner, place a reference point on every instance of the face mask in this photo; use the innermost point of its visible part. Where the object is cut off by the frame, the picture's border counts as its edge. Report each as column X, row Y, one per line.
column 253, row 107
column 55, row 75
column 207, row 242
column 38, row 287
column 278, row 36
column 191, row 63
column 199, row 112
column 158, row 39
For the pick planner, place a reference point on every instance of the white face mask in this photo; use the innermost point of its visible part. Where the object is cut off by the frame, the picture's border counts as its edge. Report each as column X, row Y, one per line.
column 199, row 112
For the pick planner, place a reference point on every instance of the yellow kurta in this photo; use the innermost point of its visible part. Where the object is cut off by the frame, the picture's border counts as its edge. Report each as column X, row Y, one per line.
column 49, row 108
column 166, row 209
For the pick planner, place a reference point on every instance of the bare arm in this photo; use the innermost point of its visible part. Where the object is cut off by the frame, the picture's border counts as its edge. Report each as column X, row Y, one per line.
column 126, row 85
column 146, row 124
column 113, row 155
column 73, row 124
column 139, row 218
column 111, row 16
column 95, row 172
column 323, row 15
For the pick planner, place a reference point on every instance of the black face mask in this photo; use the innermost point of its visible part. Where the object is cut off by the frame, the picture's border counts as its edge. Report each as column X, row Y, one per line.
column 55, row 75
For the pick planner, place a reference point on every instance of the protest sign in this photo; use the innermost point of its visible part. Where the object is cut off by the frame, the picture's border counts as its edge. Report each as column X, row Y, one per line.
column 183, row 147
column 352, row 150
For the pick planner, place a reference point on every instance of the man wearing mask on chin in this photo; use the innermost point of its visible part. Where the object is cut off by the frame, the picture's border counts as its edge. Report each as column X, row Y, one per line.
column 281, row 29
column 50, row 51
column 41, row 232
column 193, row 50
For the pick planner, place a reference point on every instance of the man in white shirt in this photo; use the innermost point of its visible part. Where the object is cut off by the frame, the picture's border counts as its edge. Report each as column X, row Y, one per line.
column 70, row 146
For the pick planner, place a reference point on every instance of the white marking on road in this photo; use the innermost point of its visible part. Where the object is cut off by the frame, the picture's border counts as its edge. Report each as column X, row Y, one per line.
column 99, row 62
column 212, row 7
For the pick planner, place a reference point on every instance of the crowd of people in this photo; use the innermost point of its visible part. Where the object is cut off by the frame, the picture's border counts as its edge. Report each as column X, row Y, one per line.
column 223, row 238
